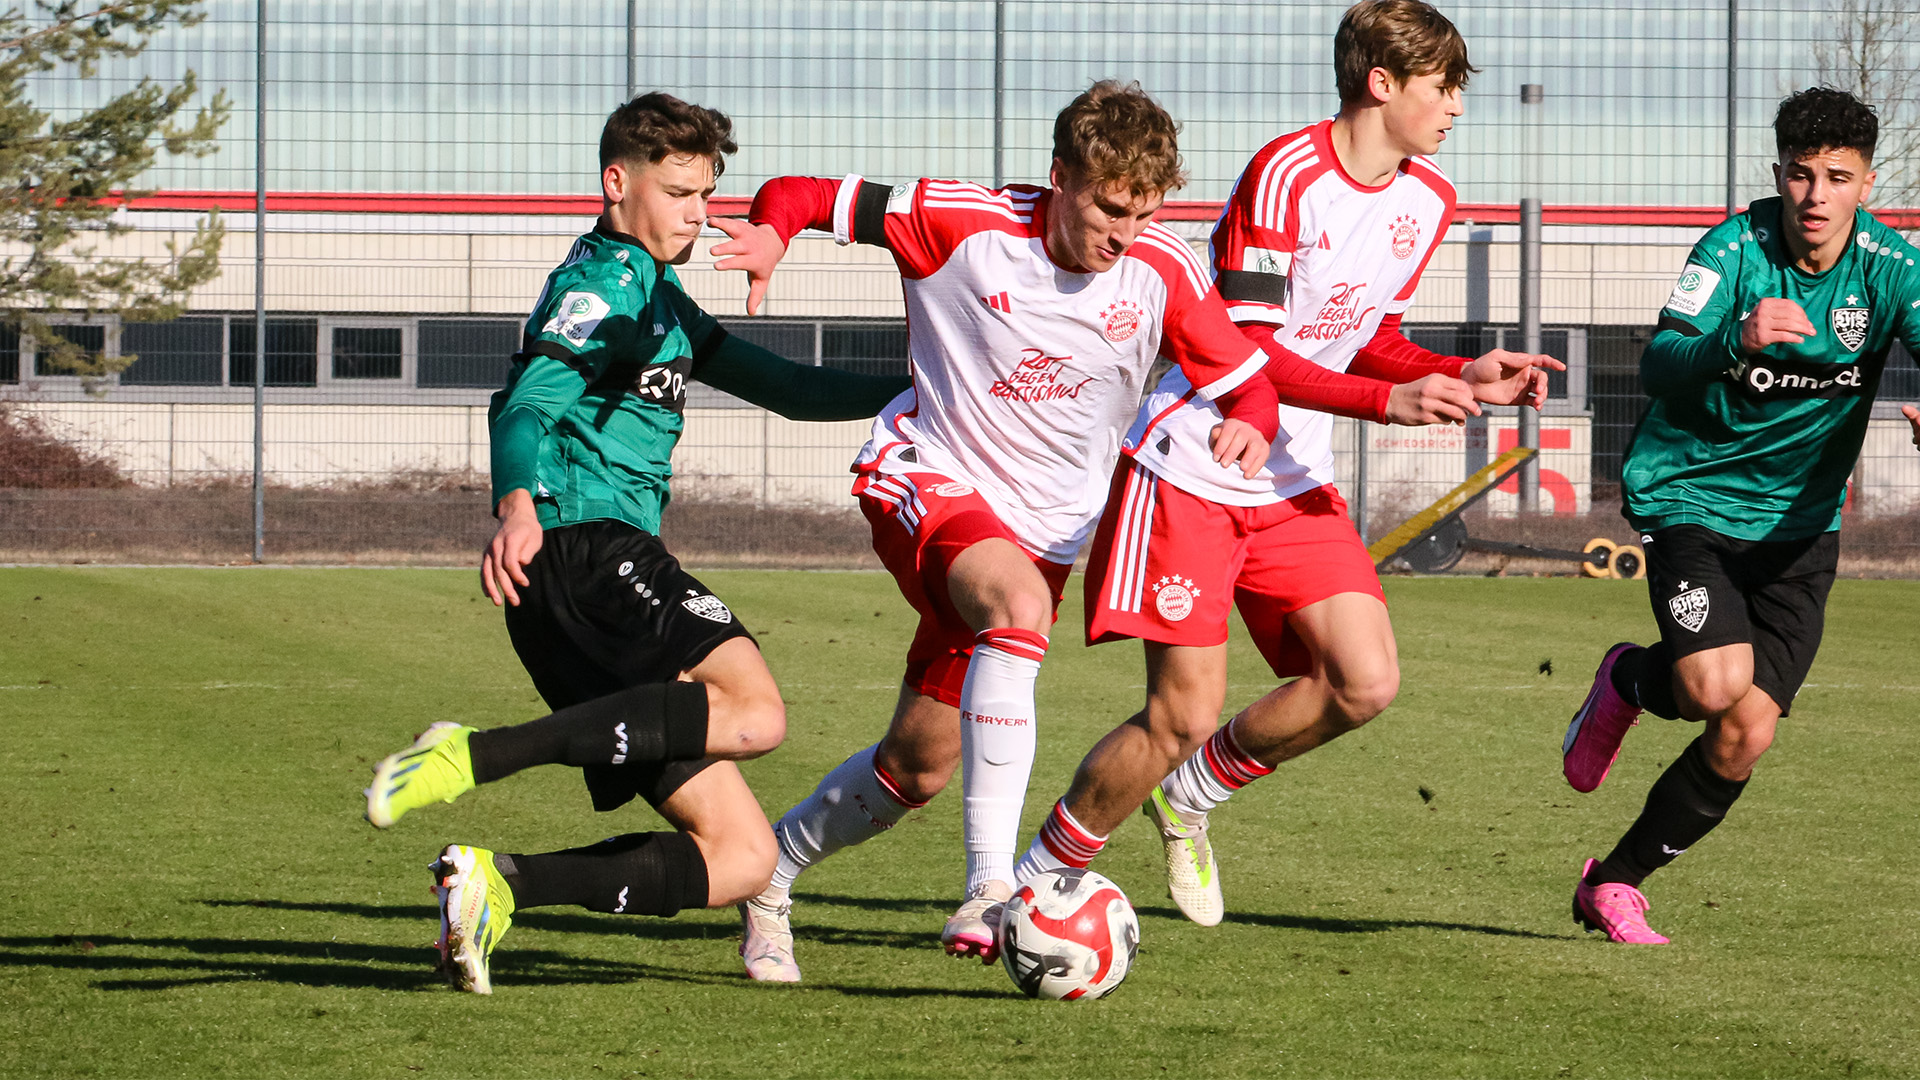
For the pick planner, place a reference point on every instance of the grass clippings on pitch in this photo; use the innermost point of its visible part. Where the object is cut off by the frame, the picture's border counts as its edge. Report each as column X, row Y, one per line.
column 188, row 889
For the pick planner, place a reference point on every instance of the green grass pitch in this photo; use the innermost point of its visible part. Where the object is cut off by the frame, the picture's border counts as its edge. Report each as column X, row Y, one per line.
column 188, row 888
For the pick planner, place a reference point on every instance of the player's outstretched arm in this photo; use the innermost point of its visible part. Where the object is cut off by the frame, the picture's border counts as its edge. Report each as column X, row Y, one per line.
column 796, row 391
column 1912, row 413
column 781, row 208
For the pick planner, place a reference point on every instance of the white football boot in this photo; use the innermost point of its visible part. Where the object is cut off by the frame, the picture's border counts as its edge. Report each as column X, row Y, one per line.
column 1193, row 879
column 766, row 941
column 974, row 930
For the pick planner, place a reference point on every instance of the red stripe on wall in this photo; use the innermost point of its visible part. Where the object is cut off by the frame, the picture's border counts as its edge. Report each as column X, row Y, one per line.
column 328, row 202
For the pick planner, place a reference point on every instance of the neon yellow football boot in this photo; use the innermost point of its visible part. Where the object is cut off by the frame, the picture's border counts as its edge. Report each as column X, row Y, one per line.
column 436, row 768
column 476, row 908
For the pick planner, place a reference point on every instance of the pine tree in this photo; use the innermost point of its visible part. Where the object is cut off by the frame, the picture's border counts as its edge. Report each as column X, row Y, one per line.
column 62, row 180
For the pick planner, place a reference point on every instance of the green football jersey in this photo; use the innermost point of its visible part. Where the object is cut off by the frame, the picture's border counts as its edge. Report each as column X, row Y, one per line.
column 604, row 363
column 1760, row 448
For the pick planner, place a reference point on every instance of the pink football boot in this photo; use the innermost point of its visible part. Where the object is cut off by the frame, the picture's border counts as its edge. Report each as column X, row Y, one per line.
column 1618, row 909
column 1593, row 738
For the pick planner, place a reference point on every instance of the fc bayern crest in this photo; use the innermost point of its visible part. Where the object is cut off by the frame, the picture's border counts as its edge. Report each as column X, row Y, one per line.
column 1406, row 234
column 1850, row 326
column 1690, row 608
column 1173, row 597
column 1122, row 321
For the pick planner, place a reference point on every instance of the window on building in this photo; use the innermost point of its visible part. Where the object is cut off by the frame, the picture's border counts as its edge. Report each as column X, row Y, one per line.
column 9, row 355
column 466, row 352
column 366, row 352
column 292, row 352
column 873, row 348
column 184, row 352
column 793, row 340
column 92, row 338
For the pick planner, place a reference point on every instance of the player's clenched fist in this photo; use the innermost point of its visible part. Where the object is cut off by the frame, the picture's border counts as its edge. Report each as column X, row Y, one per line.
column 1236, row 442
column 1772, row 322
column 1435, row 399
column 1912, row 413
column 514, row 544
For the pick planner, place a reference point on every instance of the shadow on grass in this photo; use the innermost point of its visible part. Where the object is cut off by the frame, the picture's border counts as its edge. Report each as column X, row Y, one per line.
column 576, row 922
column 356, row 966
column 1322, row 924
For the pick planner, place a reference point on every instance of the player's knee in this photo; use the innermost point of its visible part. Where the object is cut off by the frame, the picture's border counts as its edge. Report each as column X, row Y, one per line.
column 749, row 722
column 1177, row 728
column 1711, row 693
column 1027, row 609
column 1361, row 696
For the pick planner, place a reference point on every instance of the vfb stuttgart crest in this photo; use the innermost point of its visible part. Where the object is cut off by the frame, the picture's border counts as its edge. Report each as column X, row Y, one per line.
column 1173, row 597
column 1406, row 233
column 1690, row 607
column 707, row 606
column 1850, row 326
column 1122, row 321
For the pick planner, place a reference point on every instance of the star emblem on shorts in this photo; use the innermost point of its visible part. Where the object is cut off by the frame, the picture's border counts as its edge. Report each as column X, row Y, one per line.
column 1176, row 579
column 1683, row 586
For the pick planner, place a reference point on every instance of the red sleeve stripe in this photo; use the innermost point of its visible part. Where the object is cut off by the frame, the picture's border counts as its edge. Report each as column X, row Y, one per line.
column 1159, row 238
column 1271, row 199
column 843, row 208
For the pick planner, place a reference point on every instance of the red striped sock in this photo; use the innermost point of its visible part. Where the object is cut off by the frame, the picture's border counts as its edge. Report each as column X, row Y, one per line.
column 1231, row 766
column 1068, row 841
column 1026, row 644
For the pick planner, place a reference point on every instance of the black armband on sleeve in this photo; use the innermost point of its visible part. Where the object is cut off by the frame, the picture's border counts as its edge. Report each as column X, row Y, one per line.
column 1253, row 285
column 1685, row 328
column 554, row 351
column 870, row 214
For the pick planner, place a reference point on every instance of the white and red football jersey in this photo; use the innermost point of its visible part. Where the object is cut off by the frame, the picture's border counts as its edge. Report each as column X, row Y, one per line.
column 1304, row 249
column 1026, row 374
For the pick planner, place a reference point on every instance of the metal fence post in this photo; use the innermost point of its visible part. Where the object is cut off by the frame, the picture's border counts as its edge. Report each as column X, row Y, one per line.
column 999, row 92
column 259, row 279
column 633, row 50
column 1733, row 100
column 1531, row 94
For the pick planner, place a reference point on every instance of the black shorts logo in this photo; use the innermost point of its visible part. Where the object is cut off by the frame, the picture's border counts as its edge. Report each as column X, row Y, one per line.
column 707, row 607
column 1690, row 608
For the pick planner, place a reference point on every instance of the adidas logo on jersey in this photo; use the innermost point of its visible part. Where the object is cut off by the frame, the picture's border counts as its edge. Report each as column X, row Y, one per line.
column 998, row 302
column 1323, row 245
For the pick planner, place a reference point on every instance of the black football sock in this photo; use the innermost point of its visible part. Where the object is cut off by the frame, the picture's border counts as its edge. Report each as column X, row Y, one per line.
column 641, row 724
column 1644, row 677
column 1685, row 804
column 636, row 874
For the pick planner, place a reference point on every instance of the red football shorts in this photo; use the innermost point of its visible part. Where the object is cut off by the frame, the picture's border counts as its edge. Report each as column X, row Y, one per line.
column 1168, row 566
column 921, row 522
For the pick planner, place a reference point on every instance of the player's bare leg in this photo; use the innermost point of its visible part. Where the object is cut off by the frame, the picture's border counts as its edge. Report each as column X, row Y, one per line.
column 1186, row 687
column 1354, row 676
column 861, row 798
column 1691, row 797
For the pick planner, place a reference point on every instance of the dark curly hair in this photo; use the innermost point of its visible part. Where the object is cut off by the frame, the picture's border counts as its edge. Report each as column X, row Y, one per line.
column 653, row 125
column 1822, row 118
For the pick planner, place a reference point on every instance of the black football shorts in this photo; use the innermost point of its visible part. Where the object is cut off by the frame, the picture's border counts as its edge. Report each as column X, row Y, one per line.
column 608, row 608
column 1710, row 590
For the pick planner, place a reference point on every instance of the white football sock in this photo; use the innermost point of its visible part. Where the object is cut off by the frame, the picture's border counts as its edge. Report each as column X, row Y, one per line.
column 1062, row 842
column 1211, row 775
column 997, row 741
column 854, row 804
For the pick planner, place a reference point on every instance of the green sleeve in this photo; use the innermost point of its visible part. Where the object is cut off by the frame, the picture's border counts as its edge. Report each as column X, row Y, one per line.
column 541, row 393
column 1699, row 329
column 1676, row 362
column 585, row 323
column 795, row 391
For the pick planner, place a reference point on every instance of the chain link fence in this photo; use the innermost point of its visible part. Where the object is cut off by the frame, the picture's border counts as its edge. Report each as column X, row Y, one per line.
column 428, row 164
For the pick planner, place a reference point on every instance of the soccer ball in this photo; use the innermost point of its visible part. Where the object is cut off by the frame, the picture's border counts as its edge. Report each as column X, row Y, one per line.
column 1068, row 935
